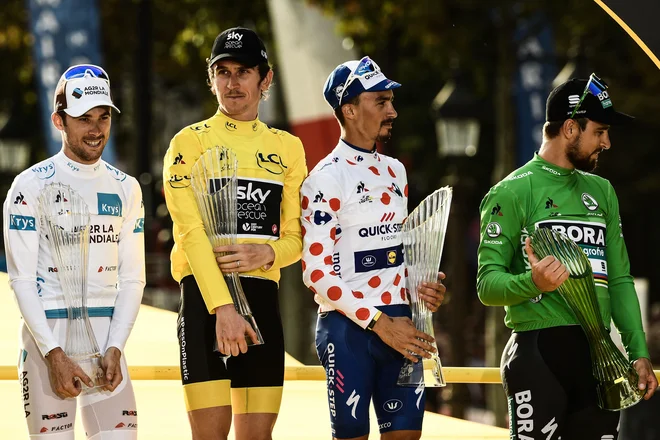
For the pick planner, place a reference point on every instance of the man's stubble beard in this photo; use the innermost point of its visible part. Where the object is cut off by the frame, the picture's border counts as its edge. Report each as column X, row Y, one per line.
column 580, row 162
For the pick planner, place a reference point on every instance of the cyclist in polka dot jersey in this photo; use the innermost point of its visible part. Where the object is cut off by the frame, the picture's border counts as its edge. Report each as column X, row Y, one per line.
column 354, row 203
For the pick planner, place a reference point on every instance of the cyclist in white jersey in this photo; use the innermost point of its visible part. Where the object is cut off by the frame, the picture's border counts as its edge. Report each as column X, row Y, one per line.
column 50, row 381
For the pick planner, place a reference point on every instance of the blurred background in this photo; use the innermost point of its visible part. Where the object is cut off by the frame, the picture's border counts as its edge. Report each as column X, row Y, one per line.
column 475, row 77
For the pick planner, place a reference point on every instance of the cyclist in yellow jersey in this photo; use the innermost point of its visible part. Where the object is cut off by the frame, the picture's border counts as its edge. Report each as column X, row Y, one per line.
column 270, row 172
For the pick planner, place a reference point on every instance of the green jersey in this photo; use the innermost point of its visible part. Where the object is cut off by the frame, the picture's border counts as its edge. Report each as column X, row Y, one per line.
column 583, row 206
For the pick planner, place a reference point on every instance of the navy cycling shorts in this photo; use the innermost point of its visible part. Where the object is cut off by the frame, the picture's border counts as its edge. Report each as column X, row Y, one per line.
column 360, row 367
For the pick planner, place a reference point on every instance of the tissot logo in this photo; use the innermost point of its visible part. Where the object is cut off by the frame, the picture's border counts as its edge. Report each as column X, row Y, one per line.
column 270, row 162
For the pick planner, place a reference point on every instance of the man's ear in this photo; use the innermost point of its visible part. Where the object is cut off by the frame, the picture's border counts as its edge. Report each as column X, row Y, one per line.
column 57, row 121
column 570, row 128
column 267, row 81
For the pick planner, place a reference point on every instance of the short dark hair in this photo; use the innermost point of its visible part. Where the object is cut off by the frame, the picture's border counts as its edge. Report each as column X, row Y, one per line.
column 263, row 69
column 551, row 129
column 338, row 113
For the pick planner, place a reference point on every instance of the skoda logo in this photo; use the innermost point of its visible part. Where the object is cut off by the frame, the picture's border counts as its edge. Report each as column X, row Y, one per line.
column 368, row 261
column 493, row 229
column 589, row 202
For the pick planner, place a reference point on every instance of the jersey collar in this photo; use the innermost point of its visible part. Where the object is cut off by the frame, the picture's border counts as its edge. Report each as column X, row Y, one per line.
column 78, row 169
column 550, row 168
column 231, row 126
column 355, row 155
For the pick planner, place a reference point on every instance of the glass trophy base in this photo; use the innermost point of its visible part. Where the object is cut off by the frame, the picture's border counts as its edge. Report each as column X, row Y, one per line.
column 425, row 372
column 619, row 394
column 93, row 368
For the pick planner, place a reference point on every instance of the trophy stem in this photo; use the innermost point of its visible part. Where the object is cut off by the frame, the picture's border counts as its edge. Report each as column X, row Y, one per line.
column 242, row 306
column 414, row 374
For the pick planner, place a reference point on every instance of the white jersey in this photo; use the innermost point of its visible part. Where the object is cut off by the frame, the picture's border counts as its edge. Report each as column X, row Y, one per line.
column 354, row 203
column 116, row 273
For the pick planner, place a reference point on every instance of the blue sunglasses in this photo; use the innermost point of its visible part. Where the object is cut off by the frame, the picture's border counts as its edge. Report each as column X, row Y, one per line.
column 82, row 70
column 596, row 87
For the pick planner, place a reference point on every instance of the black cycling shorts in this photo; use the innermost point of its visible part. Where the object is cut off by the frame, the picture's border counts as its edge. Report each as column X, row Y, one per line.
column 250, row 382
column 550, row 387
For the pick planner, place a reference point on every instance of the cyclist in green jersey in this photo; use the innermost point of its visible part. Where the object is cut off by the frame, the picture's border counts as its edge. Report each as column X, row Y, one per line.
column 546, row 365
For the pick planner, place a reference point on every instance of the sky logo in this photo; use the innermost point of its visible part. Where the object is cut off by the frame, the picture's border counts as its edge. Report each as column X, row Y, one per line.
column 109, row 204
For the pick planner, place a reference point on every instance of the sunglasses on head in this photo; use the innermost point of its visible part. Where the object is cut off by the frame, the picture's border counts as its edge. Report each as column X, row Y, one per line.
column 596, row 87
column 82, row 70
column 365, row 66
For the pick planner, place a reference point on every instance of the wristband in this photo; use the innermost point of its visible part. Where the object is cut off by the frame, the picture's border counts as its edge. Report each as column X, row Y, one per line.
column 371, row 324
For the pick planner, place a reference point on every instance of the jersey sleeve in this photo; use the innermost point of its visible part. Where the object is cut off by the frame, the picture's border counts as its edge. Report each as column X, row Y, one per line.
column 320, row 222
column 623, row 297
column 131, row 274
column 289, row 246
column 185, row 214
column 502, row 220
column 21, row 228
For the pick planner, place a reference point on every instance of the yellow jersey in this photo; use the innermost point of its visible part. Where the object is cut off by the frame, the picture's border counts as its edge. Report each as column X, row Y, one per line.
column 271, row 169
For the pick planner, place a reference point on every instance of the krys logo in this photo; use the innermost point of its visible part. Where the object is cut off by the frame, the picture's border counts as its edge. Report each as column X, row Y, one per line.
column 22, row 223
column 44, row 170
column 270, row 162
column 589, row 202
column 114, row 172
column 109, row 204
column 493, row 229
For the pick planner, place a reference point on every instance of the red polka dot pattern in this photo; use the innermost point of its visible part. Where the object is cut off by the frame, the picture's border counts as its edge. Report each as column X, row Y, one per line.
column 305, row 202
column 316, row 275
column 333, row 232
column 349, row 162
column 316, row 249
column 374, row 170
column 304, row 265
column 385, row 198
column 328, row 260
column 312, row 289
column 391, row 171
column 335, row 204
column 341, row 312
column 405, row 190
column 362, row 314
column 334, row 293
column 303, row 231
column 374, row 282
column 386, row 297
column 406, row 272
column 397, row 279
column 403, row 293
column 358, row 294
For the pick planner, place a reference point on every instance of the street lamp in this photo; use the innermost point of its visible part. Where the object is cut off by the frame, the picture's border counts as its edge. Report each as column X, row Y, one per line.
column 458, row 116
column 457, row 123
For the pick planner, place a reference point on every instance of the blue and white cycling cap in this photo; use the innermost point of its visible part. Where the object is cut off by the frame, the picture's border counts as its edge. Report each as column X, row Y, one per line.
column 81, row 88
column 351, row 78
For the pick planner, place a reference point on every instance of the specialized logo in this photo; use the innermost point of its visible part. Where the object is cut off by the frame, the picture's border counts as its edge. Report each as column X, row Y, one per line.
column 393, row 405
column 270, row 162
column 44, row 170
column 589, row 202
column 109, row 204
column 551, row 427
column 549, row 204
column 361, row 188
column 230, row 126
column 353, row 401
column 497, row 210
column 178, row 160
column 139, row 225
column 22, row 223
column 20, row 200
column 493, row 229
column 118, row 175
column 419, row 390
